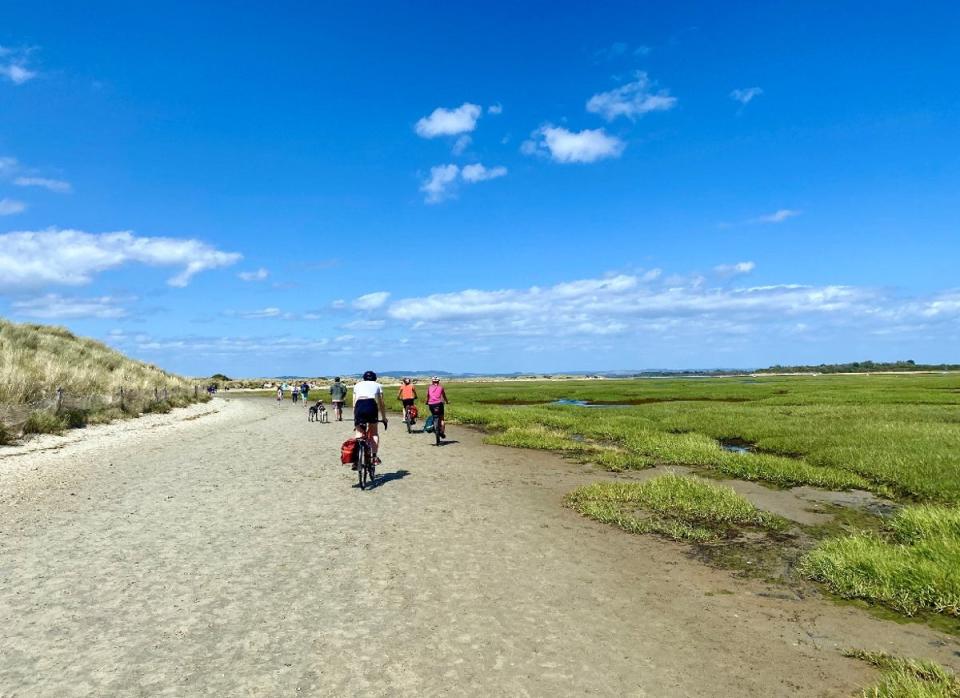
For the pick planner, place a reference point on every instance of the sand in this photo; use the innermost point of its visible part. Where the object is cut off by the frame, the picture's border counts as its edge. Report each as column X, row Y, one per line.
column 223, row 550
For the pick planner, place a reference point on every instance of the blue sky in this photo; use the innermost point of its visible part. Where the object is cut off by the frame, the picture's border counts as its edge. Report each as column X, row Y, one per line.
column 326, row 187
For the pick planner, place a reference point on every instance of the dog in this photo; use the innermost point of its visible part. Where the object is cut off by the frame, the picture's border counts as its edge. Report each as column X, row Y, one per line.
column 317, row 413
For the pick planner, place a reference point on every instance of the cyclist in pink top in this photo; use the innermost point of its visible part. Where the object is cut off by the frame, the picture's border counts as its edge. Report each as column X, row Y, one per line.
column 436, row 399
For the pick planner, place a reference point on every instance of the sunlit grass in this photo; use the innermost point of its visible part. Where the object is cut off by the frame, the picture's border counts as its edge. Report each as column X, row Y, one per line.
column 916, row 567
column 895, row 435
column 908, row 678
column 680, row 507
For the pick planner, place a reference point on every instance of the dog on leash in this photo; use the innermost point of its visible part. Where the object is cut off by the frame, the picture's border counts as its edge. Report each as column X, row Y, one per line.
column 317, row 413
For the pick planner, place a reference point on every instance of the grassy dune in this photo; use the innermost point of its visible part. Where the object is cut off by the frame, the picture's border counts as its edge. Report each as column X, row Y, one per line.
column 35, row 360
column 908, row 678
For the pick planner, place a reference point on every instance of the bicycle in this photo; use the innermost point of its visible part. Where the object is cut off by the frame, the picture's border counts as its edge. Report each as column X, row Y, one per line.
column 437, row 421
column 366, row 467
column 409, row 417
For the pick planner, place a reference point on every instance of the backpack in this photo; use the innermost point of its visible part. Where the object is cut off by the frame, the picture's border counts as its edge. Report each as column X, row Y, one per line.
column 428, row 425
column 348, row 452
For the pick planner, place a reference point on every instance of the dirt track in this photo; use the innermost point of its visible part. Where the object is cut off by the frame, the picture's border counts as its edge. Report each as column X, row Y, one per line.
column 230, row 555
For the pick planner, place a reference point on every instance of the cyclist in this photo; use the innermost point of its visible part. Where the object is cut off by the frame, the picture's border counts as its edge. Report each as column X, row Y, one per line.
column 436, row 399
column 407, row 395
column 338, row 393
column 367, row 401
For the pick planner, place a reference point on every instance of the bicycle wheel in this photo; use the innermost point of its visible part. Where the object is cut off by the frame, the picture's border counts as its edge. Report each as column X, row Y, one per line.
column 407, row 420
column 436, row 430
column 372, row 473
column 362, row 465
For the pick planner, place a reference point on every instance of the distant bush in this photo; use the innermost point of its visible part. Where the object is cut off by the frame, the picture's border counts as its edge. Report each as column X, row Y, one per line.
column 43, row 423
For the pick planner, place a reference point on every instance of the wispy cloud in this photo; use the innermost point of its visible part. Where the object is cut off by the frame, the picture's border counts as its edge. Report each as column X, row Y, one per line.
column 13, row 65
column 778, row 216
column 449, row 122
column 56, row 185
column 53, row 306
column 478, row 173
column 371, row 301
column 495, row 108
column 443, row 179
column 733, row 269
column 439, row 185
column 745, row 95
column 260, row 274
column 34, row 259
column 9, row 207
column 461, row 144
column 631, row 100
column 562, row 145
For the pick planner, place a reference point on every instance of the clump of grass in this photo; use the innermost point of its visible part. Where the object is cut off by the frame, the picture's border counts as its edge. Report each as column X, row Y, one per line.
column 907, row 678
column 680, row 507
column 43, row 423
column 915, row 567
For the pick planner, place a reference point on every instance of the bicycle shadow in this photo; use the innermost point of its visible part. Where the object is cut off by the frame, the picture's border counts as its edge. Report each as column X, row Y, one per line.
column 447, row 442
column 384, row 478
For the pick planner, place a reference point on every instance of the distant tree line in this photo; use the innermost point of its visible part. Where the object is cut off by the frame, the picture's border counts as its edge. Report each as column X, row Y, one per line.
column 861, row 367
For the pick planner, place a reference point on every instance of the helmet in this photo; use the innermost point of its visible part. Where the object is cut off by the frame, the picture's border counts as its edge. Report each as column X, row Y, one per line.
column 337, row 379
column 435, row 379
column 406, row 381
column 369, row 376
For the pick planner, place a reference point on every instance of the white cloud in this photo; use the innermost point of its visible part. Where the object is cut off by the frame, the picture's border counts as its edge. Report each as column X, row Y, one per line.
column 442, row 183
column 495, row 108
column 8, row 166
column 17, row 73
column 745, row 95
column 449, row 122
column 566, row 146
column 732, row 269
column 259, row 275
column 33, row 259
column 364, row 325
column 478, row 173
column 55, row 185
column 261, row 314
column 461, row 144
column 631, row 100
column 438, row 186
column 9, row 207
column 53, row 306
column 371, row 301
column 777, row 216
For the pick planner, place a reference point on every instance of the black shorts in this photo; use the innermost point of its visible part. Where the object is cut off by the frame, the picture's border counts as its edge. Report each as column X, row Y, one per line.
column 365, row 412
column 408, row 403
column 436, row 409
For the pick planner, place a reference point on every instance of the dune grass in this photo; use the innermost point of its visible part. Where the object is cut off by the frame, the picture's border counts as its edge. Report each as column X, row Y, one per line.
column 680, row 507
column 907, row 678
column 36, row 360
column 894, row 435
column 914, row 568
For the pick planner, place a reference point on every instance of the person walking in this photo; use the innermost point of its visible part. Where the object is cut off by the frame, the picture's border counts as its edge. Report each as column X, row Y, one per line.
column 304, row 392
column 338, row 393
column 279, row 395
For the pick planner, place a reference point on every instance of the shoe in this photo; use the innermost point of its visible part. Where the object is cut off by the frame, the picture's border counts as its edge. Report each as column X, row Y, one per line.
column 376, row 460
column 353, row 467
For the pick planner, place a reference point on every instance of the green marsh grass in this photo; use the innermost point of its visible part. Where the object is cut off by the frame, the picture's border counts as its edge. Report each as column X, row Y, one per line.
column 677, row 506
column 894, row 435
column 913, row 568
column 907, row 678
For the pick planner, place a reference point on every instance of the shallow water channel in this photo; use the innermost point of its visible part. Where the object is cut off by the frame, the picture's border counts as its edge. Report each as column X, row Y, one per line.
column 583, row 403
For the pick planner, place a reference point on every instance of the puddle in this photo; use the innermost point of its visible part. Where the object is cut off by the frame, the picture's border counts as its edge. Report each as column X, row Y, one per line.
column 585, row 403
column 734, row 445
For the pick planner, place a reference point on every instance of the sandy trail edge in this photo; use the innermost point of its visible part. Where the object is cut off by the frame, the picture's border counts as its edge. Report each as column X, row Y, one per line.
column 231, row 555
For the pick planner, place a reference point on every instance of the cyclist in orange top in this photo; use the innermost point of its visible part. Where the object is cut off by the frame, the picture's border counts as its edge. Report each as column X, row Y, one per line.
column 407, row 394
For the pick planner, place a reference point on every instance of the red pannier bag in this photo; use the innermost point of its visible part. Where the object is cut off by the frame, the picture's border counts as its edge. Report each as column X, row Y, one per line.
column 348, row 452
column 412, row 411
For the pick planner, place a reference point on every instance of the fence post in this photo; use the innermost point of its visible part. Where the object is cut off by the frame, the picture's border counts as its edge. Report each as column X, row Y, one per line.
column 121, row 398
column 194, row 392
column 59, row 398
column 164, row 393
column 156, row 394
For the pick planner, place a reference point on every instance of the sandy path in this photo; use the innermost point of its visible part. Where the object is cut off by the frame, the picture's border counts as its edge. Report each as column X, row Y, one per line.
column 203, row 557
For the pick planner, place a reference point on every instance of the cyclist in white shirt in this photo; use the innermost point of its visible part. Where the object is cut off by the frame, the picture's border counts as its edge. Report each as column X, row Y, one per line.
column 367, row 402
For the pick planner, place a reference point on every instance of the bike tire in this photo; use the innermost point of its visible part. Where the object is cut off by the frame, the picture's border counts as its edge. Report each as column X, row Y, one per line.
column 436, row 431
column 406, row 420
column 372, row 472
column 362, row 467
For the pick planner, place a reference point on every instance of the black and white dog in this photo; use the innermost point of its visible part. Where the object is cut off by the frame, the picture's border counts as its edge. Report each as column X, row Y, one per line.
column 317, row 413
